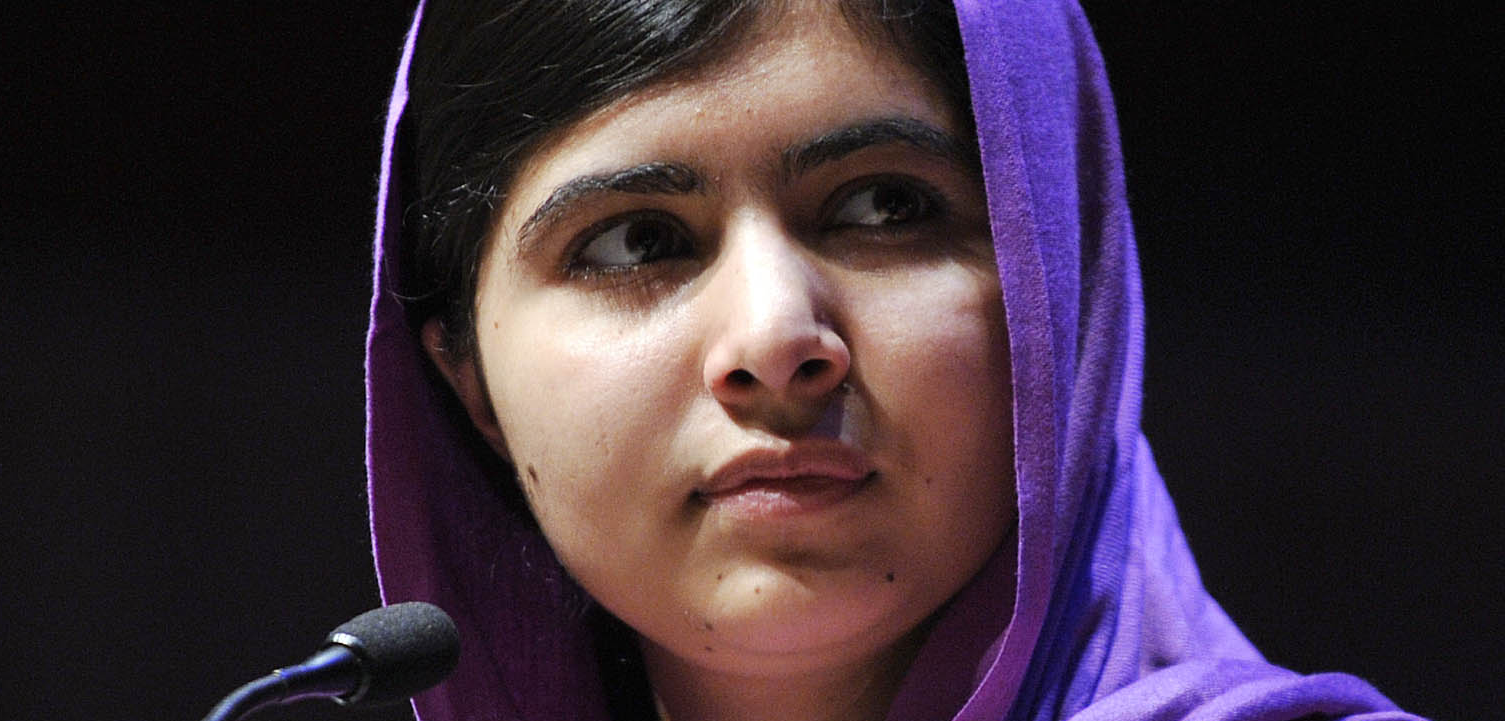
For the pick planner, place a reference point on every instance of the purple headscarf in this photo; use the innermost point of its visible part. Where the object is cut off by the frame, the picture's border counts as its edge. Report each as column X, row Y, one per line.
column 1106, row 618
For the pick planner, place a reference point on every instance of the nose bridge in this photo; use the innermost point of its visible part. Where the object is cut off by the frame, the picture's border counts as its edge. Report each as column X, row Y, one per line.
column 776, row 283
column 774, row 335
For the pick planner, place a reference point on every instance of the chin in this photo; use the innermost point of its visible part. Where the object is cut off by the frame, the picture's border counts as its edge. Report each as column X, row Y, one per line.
column 800, row 618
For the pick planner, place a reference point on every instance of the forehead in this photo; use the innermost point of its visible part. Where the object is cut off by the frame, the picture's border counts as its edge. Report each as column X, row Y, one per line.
column 800, row 71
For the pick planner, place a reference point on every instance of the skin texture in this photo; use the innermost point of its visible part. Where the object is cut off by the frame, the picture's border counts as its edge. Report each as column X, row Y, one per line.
column 837, row 324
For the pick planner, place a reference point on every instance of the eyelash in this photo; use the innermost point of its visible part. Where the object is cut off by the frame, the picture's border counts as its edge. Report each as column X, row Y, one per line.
column 579, row 266
column 931, row 204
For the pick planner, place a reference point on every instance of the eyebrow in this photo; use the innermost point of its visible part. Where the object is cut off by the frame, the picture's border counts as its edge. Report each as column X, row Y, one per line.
column 644, row 179
column 839, row 143
column 677, row 179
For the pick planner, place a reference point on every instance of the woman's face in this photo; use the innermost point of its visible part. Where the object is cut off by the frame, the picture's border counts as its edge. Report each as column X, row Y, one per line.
column 742, row 337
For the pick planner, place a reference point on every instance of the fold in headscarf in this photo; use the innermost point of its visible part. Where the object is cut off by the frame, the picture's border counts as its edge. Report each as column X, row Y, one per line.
column 1106, row 617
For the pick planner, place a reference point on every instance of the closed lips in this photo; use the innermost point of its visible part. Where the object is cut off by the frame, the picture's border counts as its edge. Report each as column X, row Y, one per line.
column 810, row 465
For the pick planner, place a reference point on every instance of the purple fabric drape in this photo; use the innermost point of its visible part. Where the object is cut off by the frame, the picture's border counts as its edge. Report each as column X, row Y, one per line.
column 1106, row 617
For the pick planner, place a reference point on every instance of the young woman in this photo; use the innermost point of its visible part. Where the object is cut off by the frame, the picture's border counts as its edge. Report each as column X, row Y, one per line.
column 769, row 360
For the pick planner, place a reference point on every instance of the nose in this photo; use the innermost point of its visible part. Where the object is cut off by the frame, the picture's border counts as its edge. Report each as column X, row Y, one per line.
column 774, row 348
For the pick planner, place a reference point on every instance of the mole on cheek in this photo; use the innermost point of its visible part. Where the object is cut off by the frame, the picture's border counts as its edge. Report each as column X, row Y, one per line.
column 530, row 482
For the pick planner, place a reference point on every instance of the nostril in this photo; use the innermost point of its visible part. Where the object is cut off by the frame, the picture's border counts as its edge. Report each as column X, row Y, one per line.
column 812, row 368
column 740, row 377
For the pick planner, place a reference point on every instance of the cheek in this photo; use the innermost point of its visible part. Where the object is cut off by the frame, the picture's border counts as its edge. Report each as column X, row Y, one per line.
column 938, row 368
column 588, row 411
column 571, row 390
column 937, row 346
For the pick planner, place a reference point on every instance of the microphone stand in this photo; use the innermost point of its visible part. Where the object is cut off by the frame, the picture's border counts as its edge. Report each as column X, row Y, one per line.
column 331, row 672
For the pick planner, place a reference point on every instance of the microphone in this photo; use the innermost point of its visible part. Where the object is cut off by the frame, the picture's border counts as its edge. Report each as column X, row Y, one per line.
column 385, row 654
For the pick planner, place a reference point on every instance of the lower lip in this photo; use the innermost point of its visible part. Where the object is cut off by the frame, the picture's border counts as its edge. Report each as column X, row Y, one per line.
column 784, row 497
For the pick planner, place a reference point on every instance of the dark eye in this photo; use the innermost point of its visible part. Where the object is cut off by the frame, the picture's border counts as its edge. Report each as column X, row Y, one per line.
column 632, row 241
column 883, row 202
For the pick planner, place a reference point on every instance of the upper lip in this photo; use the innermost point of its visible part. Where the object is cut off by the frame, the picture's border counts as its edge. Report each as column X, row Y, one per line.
column 805, row 459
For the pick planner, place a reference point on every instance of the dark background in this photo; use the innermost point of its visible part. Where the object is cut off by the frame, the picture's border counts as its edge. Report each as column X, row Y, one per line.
column 186, row 209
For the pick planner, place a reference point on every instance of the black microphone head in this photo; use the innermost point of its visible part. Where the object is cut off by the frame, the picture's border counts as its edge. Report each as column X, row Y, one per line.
column 404, row 648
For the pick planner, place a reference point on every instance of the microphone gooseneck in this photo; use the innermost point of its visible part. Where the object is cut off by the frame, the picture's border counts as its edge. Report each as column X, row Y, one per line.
column 386, row 654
